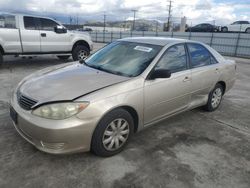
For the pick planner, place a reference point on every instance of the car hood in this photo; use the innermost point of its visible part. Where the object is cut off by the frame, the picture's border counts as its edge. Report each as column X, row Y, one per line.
column 66, row 83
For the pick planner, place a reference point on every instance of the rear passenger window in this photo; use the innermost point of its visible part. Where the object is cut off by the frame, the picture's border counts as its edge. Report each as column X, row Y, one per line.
column 7, row 21
column 199, row 55
column 29, row 23
column 174, row 59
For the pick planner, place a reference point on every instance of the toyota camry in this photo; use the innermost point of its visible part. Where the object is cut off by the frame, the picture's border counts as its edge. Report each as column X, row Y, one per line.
column 98, row 104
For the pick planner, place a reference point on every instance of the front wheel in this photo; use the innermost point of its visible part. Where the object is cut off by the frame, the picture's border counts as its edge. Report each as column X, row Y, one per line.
column 224, row 29
column 112, row 133
column 214, row 98
column 80, row 52
column 248, row 30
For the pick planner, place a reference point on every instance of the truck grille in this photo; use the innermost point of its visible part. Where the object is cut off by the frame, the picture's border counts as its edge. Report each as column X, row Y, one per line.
column 25, row 102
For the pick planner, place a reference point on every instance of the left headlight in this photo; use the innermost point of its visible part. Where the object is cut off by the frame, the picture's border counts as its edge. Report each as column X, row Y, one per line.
column 58, row 111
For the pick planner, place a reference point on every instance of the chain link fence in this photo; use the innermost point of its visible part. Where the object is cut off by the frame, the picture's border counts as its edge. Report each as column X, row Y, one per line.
column 230, row 44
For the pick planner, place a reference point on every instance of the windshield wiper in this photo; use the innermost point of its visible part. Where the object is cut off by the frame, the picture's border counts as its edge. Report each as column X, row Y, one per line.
column 110, row 71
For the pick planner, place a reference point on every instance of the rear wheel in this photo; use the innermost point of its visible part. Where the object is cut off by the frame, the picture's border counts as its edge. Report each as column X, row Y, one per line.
column 214, row 98
column 63, row 57
column 80, row 52
column 112, row 133
column 224, row 29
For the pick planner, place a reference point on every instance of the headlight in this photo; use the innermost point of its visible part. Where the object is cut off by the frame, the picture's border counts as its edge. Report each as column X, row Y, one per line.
column 58, row 111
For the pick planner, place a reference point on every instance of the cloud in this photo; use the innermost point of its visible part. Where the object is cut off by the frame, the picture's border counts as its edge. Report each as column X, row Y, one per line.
column 196, row 10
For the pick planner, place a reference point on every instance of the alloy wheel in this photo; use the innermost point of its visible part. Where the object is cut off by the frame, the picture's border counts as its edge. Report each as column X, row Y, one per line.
column 216, row 97
column 82, row 55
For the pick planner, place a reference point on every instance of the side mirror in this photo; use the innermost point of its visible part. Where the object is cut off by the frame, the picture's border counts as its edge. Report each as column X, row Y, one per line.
column 160, row 73
column 60, row 29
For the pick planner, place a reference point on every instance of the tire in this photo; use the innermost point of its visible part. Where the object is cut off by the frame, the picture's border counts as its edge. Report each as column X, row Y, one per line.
column 248, row 30
column 63, row 57
column 78, row 51
column 1, row 59
column 224, row 29
column 214, row 98
column 105, row 132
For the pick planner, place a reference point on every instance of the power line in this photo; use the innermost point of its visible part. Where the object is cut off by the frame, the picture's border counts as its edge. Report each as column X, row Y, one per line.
column 133, row 28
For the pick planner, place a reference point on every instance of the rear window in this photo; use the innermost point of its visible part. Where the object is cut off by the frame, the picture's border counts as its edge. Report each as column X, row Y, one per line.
column 7, row 21
column 29, row 23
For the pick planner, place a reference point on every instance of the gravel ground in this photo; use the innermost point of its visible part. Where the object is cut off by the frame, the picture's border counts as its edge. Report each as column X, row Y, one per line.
column 193, row 149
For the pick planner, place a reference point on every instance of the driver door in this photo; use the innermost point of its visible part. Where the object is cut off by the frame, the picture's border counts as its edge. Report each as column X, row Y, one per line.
column 165, row 96
column 52, row 41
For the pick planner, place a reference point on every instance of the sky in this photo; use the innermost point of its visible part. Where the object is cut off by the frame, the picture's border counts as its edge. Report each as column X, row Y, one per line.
column 196, row 11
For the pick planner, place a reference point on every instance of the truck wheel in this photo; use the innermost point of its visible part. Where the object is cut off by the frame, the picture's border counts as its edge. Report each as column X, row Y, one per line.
column 112, row 133
column 80, row 52
column 214, row 98
column 63, row 57
column 224, row 29
column 1, row 59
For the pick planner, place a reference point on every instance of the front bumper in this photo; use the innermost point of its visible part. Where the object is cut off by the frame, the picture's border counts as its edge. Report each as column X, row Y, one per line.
column 54, row 136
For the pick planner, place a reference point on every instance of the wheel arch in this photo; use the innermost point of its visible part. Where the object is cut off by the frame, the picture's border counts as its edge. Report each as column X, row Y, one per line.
column 247, row 29
column 81, row 42
column 223, row 84
column 130, row 110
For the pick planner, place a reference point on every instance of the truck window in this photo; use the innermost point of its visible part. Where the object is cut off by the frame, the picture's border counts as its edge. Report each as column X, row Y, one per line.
column 47, row 24
column 7, row 21
column 29, row 23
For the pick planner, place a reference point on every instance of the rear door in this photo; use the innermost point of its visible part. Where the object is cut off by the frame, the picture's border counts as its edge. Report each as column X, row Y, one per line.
column 30, row 35
column 52, row 41
column 205, row 71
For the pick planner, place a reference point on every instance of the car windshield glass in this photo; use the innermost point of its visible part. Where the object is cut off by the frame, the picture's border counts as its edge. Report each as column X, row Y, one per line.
column 124, row 58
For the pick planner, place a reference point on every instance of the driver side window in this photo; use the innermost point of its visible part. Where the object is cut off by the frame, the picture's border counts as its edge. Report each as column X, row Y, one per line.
column 174, row 59
column 47, row 24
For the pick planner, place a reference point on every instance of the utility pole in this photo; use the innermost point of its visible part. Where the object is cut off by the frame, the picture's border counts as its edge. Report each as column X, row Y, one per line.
column 104, row 22
column 169, row 14
column 104, row 26
column 133, row 28
column 77, row 19
column 156, row 27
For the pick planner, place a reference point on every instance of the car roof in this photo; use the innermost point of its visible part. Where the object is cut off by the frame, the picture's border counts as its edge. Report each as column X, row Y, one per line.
column 162, row 41
column 20, row 14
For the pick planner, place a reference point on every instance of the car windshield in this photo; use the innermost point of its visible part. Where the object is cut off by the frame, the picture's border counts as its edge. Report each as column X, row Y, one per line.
column 124, row 58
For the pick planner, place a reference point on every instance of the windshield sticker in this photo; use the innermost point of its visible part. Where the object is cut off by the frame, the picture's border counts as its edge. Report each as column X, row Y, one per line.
column 143, row 48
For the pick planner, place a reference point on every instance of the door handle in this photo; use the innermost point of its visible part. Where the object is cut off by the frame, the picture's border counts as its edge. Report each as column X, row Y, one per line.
column 186, row 79
column 43, row 34
column 217, row 70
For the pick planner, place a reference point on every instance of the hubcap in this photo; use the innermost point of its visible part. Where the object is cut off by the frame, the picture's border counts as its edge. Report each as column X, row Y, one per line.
column 216, row 98
column 116, row 134
column 82, row 55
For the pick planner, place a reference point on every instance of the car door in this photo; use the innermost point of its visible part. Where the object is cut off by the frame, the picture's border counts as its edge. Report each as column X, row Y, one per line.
column 204, row 28
column 30, row 35
column 196, row 28
column 205, row 72
column 234, row 27
column 165, row 96
column 52, row 41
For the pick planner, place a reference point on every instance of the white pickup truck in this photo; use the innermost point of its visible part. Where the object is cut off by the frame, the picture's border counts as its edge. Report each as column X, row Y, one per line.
column 28, row 35
column 239, row 26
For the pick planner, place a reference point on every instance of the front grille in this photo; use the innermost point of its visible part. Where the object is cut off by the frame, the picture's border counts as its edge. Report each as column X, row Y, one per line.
column 25, row 102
